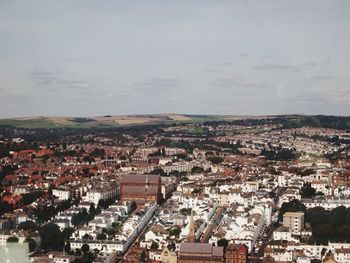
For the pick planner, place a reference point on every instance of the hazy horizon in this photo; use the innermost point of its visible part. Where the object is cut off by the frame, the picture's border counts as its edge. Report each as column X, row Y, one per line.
column 165, row 114
column 96, row 58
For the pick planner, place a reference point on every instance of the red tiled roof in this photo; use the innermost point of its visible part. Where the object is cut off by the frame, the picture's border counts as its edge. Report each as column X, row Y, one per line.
column 151, row 178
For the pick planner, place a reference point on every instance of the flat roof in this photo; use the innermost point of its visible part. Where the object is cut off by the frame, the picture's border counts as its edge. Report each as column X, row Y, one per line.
column 298, row 214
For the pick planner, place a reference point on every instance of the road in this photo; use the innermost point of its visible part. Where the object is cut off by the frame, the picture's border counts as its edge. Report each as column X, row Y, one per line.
column 214, row 222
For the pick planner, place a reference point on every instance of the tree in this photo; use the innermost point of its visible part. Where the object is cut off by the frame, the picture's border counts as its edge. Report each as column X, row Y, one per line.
column 12, row 239
column 78, row 252
column 28, row 226
column 67, row 232
column 111, row 231
column 159, row 171
column 88, row 258
column 31, row 243
column 5, row 207
column 186, row 211
column 171, row 246
column 307, row 172
column 133, row 206
column 143, row 256
column 29, row 198
column 279, row 154
column 154, row 245
column 327, row 225
column 323, row 233
column 215, row 159
column 316, row 216
column 51, row 237
column 92, row 210
column 175, row 231
column 307, row 191
column 45, row 213
column 98, row 153
column 101, row 236
column 75, row 220
column 65, row 204
column 87, row 236
column 67, row 247
column 101, row 203
column 86, row 170
column 85, row 248
column 81, row 218
column 223, row 243
column 197, row 170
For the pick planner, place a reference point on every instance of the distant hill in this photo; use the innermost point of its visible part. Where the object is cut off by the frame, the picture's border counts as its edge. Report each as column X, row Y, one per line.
column 99, row 121
column 288, row 121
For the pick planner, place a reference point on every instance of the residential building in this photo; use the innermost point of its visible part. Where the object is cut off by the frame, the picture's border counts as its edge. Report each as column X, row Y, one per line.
column 294, row 221
column 236, row 253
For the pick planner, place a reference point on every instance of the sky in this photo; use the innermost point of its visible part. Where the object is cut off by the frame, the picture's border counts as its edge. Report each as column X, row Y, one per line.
column 93, row 58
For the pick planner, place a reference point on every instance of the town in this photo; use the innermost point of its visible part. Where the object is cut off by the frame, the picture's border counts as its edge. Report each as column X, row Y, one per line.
column 267, row 189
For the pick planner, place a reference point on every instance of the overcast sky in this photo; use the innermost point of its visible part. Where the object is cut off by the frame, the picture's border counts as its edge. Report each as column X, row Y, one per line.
column 89, row 58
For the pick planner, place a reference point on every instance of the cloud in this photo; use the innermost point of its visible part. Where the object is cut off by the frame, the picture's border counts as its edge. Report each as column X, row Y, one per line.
column 311, row 64
column 225, row 64
column 160, row 82
column 237, row 82
column 75, row 84
column 44, row 77
column 322, row 78
column 242, row 55
column 141, row 50
column 224, row 82
column 53, row 80
column 41, row 73
column 276, row 67
column 214, row 70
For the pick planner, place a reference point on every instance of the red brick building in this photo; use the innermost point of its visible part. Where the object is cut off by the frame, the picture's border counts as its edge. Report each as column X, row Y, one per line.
column 141, row 188
column 200, row 253
column 13, row 200
column 236, row 253
column 341, row 179
column 28, row 153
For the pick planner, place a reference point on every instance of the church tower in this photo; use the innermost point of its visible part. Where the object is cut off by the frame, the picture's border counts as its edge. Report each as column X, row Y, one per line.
column 191, row 238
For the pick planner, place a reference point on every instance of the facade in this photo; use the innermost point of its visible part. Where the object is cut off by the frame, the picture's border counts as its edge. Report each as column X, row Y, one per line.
column 341, row 179
column 294, row 221
column 95, row 194
column 236, row 253
column 61, row 194
column 327, row 204
column 141, row 188
column 168, row 256
column 200, row 253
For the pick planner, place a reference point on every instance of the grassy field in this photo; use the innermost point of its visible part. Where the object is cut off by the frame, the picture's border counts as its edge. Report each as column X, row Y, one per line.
column 290, row 121
column 46, row 122
column 29, row 123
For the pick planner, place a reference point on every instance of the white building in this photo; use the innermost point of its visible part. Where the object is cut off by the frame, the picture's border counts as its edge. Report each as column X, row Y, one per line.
column 95, row 194
column 327, row 204
column 61, row 194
